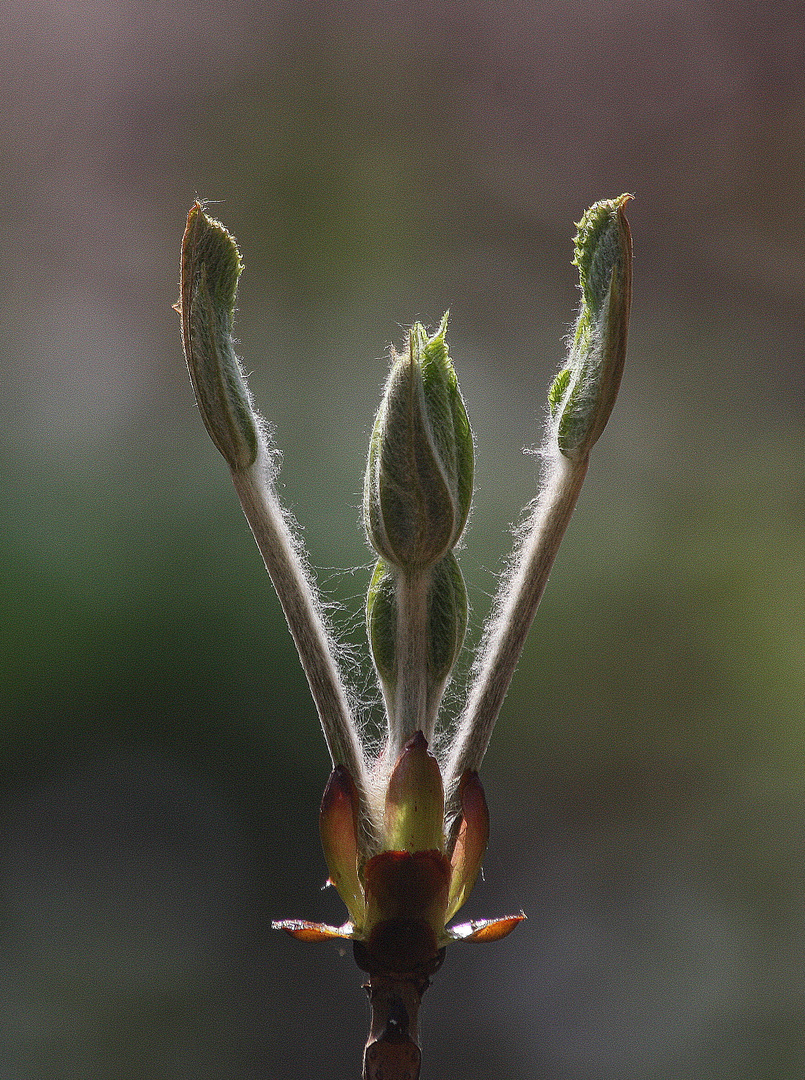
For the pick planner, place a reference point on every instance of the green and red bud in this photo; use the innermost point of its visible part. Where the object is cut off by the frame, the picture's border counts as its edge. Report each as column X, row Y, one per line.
column 401, row 898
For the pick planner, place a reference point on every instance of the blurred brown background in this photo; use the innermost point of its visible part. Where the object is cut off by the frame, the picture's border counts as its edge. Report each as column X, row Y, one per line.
column 161, row 761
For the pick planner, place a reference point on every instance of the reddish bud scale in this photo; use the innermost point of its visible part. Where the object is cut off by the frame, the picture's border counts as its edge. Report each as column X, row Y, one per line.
column 406, row 902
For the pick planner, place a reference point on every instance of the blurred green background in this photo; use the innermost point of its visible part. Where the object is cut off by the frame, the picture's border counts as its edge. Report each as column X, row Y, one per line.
column 161, row 762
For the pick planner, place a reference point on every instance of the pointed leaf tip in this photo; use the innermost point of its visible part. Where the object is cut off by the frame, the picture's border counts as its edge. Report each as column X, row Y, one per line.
column 414, row 811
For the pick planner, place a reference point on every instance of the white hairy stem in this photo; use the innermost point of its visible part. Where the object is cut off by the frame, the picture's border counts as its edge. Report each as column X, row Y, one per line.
column 513, row 613
column 305, row 621
column 412, row 710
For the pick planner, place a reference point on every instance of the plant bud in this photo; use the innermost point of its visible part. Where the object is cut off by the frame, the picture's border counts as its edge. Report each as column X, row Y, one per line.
column 583, row 394
column 419, row 474
column 414, row 810
column 211, row 266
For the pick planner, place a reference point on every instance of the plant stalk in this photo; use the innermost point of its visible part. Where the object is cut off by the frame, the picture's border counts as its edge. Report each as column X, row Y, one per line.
column 392, row 1050
column 412, row 710
column 311, row 637
column 515, row 608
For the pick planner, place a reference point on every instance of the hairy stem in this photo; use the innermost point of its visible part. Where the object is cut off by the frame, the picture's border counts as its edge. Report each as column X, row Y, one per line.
column 515, row 607
column 311, row 637
column 412, row 710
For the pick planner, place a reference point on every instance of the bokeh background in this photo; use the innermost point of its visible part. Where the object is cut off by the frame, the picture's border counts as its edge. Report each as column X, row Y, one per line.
column 161, row 763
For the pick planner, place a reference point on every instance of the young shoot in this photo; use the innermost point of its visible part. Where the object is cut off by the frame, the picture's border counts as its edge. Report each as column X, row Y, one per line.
column 404, row 834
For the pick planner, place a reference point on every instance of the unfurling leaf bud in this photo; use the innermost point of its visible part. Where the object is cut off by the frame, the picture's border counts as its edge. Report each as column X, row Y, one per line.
column 445, row 627
column 584, row 392
column 419, row 475
column 211, row 266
